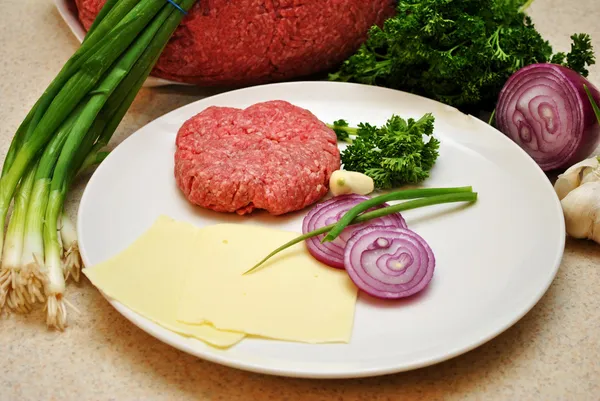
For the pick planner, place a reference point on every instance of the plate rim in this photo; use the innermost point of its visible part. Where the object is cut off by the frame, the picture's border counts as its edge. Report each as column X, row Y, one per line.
column 155, row 330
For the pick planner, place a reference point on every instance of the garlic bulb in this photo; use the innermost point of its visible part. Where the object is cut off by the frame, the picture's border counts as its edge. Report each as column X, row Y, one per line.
column 581, row 208
column 587, row 170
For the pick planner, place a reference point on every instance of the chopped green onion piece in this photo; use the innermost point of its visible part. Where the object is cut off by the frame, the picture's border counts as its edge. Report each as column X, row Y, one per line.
column 593, row 102
column 400, row 207
column 392, row 196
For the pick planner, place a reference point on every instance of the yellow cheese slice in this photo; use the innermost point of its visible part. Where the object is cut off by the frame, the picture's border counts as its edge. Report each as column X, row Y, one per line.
column 148, row 276
column 190, row 281
column 291, row 297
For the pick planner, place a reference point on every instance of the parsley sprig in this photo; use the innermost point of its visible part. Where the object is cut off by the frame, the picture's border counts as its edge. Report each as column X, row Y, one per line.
column 399, row 152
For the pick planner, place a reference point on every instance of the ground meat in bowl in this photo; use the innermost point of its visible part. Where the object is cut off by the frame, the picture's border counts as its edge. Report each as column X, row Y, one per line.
column 244, row 42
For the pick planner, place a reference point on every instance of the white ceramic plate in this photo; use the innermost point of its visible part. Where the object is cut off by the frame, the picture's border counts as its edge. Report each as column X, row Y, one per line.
column 68, row 11
column 495, row 259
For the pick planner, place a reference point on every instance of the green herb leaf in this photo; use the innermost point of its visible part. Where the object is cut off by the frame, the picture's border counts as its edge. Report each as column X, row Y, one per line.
column 459, row 52
column 581, row 54
column 399, row 152
column 342, row 130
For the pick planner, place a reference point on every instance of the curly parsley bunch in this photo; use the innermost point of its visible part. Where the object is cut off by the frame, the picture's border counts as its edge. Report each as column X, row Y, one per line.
column 459, row 52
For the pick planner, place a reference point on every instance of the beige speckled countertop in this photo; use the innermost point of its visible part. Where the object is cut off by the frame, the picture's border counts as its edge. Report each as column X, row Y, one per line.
column 553, row 353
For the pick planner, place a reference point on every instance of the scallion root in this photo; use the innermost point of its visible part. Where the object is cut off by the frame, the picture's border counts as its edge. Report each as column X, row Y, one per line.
column 72, row 258
column 11, row 291
column 54, row 288
column 72, row 263
column 56, row 312
column 33, row 282
column 5, row 286
column 18, row 302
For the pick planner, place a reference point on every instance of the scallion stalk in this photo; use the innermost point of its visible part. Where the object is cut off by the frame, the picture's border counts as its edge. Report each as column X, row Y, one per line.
column 56, row 312
column 82, row 134
column 107, row 9
column 95, row 158
column 32, row 257
column 64, row 133
column 10, row 274
column 392, row 196
column 72, row 260
column 100, row 29
column 111, row 115
column 91, row 70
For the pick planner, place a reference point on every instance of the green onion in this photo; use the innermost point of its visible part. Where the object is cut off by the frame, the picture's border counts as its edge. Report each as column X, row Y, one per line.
column 121, row 99
column 400, row 207
column 64, row 133
column 109, row 118
column 595, row 107
column 65, row 165
column 56, row 313
column 10, row 276
column 106, row 9
column 68, row 234
column 74, row 90
column 84, row 133
column 33, row 252
column 95, row 158
column 392, row 196
column 89, row 47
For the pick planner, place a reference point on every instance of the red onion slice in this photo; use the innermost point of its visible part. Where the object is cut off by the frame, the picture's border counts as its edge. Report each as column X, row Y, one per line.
column 329, row 212
column 389, row 262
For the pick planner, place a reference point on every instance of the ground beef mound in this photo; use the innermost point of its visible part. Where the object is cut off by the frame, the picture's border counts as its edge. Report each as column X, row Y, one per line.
column 242, row 42
column 272, row 155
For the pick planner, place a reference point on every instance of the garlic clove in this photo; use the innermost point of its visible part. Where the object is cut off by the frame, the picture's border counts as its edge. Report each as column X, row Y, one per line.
column 344, row 182
column 581, row 208
column 595, row 236
column 572, row 177
column 590, row 175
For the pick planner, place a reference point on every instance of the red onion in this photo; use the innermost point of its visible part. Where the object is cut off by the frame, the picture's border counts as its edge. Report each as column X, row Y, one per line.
column 329, row 212
column 389, row 262
column 545, row 110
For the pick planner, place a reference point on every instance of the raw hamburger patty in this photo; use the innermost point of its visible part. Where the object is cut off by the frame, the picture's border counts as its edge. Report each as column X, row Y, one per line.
column 272, row 155
column 241, row 42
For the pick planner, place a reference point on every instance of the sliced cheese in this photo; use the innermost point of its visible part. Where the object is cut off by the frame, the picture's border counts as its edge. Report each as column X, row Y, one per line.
column 190, row 281
column 291, row 297
column 148, row 276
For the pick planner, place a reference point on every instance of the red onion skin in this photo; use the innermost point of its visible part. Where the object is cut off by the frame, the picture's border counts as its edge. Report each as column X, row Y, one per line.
column 591, row 135
column 587, row 127
column 354, row 263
